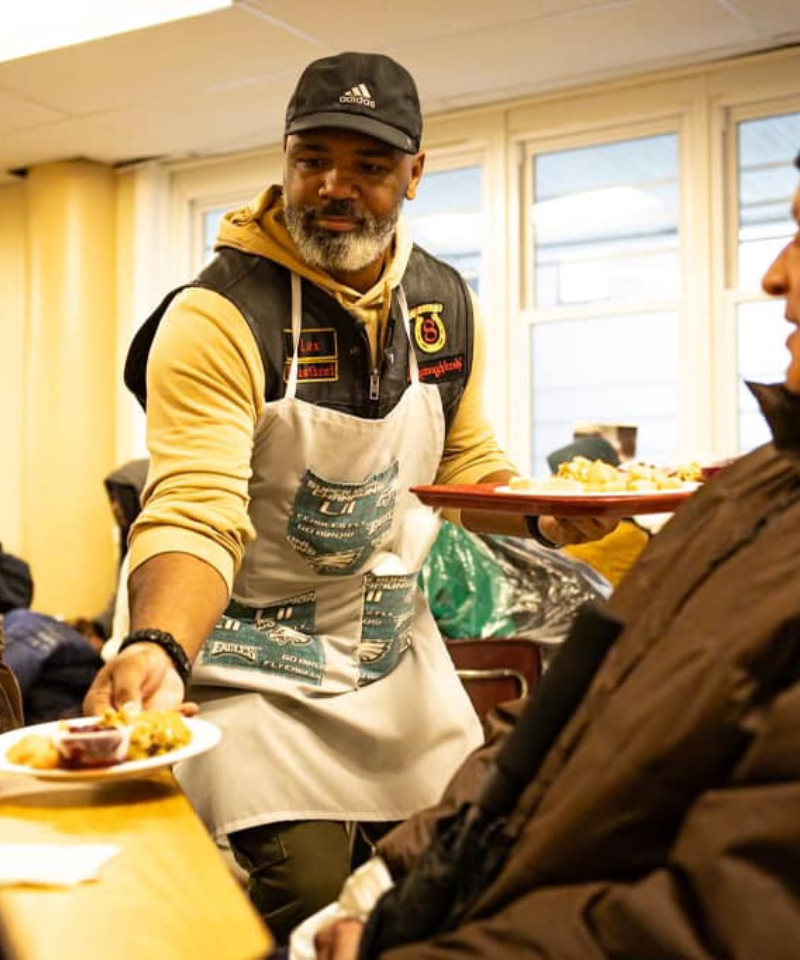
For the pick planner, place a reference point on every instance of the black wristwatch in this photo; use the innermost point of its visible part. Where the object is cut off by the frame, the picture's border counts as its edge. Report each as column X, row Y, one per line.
column 168, row 644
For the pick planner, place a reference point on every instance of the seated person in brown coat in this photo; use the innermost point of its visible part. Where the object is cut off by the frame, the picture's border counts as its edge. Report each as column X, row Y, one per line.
column 654, row 810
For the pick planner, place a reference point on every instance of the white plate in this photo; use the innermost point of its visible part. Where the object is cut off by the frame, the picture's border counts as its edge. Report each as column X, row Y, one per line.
column 205, row 735
column 546, row 490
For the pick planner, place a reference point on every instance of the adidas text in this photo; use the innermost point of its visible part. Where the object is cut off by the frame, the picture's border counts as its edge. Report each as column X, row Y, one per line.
column 350, row 98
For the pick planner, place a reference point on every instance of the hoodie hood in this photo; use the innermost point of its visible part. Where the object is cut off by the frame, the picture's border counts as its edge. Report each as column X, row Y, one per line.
column 259, row 228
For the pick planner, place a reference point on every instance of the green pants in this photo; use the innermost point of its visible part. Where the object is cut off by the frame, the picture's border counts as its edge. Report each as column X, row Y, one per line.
column 295, row 868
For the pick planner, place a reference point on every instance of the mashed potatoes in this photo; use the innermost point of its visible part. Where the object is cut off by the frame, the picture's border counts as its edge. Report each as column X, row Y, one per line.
column 582, row 475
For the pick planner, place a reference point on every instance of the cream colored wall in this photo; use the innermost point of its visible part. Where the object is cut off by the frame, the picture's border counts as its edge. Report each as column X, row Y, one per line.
column 12, row 352
column 58, row 324
column 129, row 419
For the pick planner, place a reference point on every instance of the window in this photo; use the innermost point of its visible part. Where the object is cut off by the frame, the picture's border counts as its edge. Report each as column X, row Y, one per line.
column 766, row 181
column 446, row 219
column 606, row 284
column 211, row 222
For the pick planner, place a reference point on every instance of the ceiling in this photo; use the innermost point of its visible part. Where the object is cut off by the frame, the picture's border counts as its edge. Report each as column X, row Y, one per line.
column 218, row 83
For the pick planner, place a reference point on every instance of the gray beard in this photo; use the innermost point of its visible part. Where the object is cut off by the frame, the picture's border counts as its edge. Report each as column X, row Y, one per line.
column 339, row 252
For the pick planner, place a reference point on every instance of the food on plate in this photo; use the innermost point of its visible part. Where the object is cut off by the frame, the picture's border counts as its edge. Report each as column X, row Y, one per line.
column 34, row 750
column 154, row 732
column 581, row 475
column 104, row 741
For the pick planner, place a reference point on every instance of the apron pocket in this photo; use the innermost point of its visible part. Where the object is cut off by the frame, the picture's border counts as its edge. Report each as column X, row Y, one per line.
column 387, row 623
column 336, row 527
column 278, row 639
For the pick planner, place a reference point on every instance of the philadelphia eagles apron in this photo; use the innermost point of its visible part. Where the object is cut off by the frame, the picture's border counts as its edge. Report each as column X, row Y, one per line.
column 334, row 691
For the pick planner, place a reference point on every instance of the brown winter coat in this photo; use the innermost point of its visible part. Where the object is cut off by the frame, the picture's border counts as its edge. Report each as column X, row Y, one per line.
column 665, row 822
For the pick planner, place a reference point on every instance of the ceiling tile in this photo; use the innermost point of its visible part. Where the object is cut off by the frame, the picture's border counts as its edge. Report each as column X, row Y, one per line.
column 770, row 18
column 17, row 113
column 381, row 25
column 227, row 47
column 506, row 62
column 159, row 128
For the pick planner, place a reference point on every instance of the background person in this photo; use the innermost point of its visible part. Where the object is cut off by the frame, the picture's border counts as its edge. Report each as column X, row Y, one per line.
column 663, row 819
column 318, row 367
column 55, row 661
column 53, row 664
column 613, row 555
column 16, row 587
column 10, row 697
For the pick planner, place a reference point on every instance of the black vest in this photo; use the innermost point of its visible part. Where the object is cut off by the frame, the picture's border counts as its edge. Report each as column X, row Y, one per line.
column 334, row 368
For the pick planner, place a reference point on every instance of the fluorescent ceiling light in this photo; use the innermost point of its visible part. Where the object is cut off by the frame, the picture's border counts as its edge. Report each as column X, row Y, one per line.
column 33, row 26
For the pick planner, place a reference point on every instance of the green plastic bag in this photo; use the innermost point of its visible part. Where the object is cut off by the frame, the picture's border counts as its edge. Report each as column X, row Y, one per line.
column 483, row 585
column 465, row 586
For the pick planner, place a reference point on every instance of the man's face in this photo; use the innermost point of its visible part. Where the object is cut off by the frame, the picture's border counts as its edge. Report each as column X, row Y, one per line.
column 782, row 279
column 343, row 193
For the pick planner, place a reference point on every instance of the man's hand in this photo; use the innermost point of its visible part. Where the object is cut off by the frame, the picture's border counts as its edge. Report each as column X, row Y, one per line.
column 339, row 940
column 142, row 676
column 566, row 530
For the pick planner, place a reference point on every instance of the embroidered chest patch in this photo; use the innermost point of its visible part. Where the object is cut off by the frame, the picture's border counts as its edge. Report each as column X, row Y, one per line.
column 317, row 354
column 429, row 330
column 442, row 369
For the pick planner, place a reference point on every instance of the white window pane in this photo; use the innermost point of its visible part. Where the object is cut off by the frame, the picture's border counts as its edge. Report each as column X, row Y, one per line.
column 447, row 219
column 211, row 222
column 605, row 222
column 762, row 356
column 767, row 181
column 606, row 230
column 615, row 370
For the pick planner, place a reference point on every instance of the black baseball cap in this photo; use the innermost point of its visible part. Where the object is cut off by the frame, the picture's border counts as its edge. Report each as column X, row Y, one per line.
column 366, row 92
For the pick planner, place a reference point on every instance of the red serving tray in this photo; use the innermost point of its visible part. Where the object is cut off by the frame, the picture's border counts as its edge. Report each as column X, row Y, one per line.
column 487, row 496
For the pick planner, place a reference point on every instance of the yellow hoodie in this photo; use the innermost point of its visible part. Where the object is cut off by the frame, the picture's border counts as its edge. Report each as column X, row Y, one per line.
column 205, row 387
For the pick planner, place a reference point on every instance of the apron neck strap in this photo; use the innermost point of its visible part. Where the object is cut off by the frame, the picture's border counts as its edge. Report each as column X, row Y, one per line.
column 297, row 323
column 413, row 367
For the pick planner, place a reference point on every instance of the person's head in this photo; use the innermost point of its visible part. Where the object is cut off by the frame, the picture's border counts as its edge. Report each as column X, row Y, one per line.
column 124, row 488
column 593, row 448
column 352, row 156
column 782, row 279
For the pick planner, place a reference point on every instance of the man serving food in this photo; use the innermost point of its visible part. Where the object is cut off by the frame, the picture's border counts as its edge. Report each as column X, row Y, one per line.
column 318, row 368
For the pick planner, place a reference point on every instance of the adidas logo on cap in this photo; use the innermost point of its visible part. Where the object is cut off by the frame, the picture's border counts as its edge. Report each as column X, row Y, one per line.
column 358, row 94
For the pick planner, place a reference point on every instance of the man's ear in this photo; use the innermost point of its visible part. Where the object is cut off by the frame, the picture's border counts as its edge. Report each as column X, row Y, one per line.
column 417, row 167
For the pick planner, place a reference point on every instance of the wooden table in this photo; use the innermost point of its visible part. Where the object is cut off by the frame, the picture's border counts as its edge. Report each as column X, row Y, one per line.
column 167, row 895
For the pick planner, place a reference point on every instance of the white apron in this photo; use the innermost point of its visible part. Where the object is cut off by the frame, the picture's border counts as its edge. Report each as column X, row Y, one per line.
column 335, row 693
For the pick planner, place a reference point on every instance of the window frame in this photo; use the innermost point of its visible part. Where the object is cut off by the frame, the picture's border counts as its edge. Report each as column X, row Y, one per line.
column 731, row 111
column 580, row 124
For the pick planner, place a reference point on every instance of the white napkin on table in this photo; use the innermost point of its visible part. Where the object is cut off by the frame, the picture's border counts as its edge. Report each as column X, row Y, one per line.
column 51, row 864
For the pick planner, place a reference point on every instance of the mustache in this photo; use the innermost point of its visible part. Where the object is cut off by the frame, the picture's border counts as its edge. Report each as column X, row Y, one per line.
column 336, row 208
